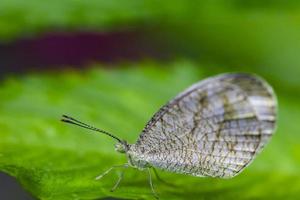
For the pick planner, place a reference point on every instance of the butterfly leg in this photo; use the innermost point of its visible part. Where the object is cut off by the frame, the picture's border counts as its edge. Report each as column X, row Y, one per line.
column 119, row 180
column 151, row 184
column 107, row 171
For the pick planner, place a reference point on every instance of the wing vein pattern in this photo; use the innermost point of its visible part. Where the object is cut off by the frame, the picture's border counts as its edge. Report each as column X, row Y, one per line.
column 214, row 128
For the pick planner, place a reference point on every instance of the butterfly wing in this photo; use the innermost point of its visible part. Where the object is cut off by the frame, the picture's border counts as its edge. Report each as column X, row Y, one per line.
column 214, row 128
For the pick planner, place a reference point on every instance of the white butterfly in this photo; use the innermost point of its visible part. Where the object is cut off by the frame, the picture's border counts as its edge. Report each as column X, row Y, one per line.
column 214, row 128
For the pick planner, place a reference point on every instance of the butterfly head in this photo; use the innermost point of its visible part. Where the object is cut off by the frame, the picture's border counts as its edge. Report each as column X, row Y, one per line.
column 122, row 146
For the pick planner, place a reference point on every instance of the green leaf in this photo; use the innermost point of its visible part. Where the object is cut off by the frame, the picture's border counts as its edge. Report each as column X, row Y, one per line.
column 247, row 35
column 29, row 17
column 33, row 16
column 55, row 161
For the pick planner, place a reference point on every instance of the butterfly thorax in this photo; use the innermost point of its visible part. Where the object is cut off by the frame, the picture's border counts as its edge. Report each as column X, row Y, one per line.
column 136, row 159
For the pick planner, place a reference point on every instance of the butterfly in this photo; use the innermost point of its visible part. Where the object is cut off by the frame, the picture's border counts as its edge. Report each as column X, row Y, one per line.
column 215, row 128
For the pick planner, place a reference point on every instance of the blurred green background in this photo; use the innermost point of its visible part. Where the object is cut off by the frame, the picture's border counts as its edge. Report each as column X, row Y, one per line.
column 113, row 64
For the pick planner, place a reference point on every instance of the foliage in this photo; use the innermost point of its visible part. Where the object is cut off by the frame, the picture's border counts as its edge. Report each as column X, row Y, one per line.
column 260, row 36
column 56, row 161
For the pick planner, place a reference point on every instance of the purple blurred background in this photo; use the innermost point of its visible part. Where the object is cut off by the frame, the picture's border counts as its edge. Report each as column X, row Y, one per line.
column 55, row 50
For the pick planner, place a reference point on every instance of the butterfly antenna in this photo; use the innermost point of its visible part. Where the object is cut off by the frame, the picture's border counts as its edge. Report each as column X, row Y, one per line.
column 71, row 120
